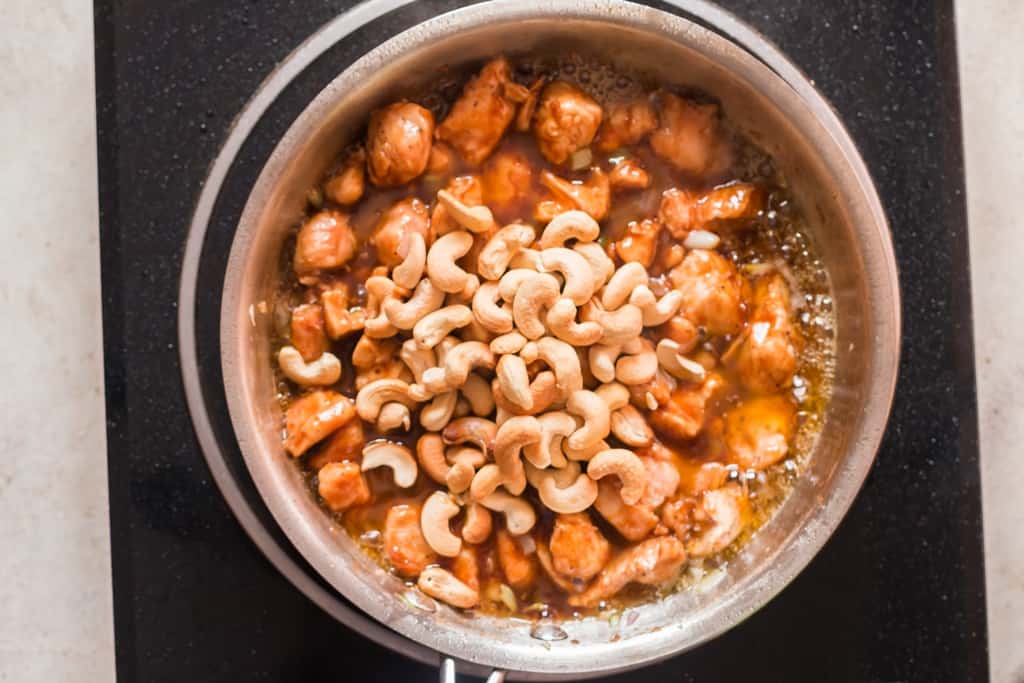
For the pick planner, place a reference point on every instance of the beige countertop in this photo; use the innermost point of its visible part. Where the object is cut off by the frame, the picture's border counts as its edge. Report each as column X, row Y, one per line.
column 55, row 599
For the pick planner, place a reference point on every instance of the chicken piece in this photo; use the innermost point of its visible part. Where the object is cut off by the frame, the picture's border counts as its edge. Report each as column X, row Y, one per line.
column 313, row 416
column 654, row 562
column 398, row 143
column 546, row 209
column 307, row 331
column 714, row 292
column 566, row 120
column 682, row 416
column 683, row 211
column 628, row 174
column 758, row 431
column 466, row 568
column 467, row 189
column 324, row 242
column 634, row 522
column 528, row 106
column 547, row 563
column 697, row 477
column 344, row 445
column 506, row 180
column 404, row 545
column 342, row 486
column 479, row 117
column 681, row 331
column 640, row 243
column 578, row 549
column 662, row 480
column 390, row 234
column 718, row 520
column 347, row 185
column 677, row 515
column 651, row 395
column 592, row 196
column 519, row 569
column 441, row 159
column 627, row 123
column 339, row 319
column 376, row 359
column 690, row 137
column 768, row 354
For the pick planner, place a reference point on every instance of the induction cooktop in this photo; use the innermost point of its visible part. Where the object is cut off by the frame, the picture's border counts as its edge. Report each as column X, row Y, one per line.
column 206, row 587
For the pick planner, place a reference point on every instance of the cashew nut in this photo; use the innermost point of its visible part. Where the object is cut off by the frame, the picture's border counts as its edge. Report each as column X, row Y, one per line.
column 431, row 456
column 579, row 278
column 565, row 497
column 417, row 358
column 434, row 327
column 656, row 311
column 512, row 342
column 472, row 218
column 441, row 584
column 498, row 252
column 565, row 363
column 514, row 382
column 676, row 364
column 478, row 393
column 618, row 326
column 587, row 452
column 561, row 320
column 460, row 476
column 574, row 224
column 601, row 359
column 477, row 526
column 476, row 430
column 392, row 416
column 432, row 382
column 441, row 267
column 464, row 358
column 435, row 518
column 374, row 395
column 614, row 394
column 379, row 290
column 543, row 393
column 511, row 281
column 528, row 259
column 626, row 466
column 529, row 352
column 407, row 274
column 639, row 365
column 323, row 371
column 536, row 294
column 622, row 283
column 435, row 415
column 393, row 455
column 495, row 318
column 601, row 265
column 596, row 419
column 512, row 436
column 489, row 477
column 555, row 426
column 630, row 427
column 405, row 315
column 473, row 457
column 519, row 515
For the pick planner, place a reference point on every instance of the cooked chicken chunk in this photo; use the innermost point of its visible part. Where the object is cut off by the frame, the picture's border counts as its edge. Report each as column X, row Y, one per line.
column 697, row 477
column 376, row 359
column 404, row 545
column 467, row 189
column 578, row 549
column 519, row 569
column 628, row 174
column 347, row 185
column 592, row 195
column 681, row 331
column 719, row 519
column 634, row 522
column 342, row 486
column 768, row 355
column 313, row 416
column 324, row 242
column 627, row 123
column 758, row 431
column 689, row 136
column 507, row 178
column 466, row 568
column 346, row 444
column 713, row 291
column 662, row 481
column 683, row 211
column 566, row 120
column 640, row 242
column 682, row 416
column 653, row 562
column 307, row 331
column 398, row 143
column 389, row 236
column 339, row 319
column 479, row 117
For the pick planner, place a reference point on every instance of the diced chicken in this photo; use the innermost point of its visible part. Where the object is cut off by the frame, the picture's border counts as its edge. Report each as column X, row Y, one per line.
column 324, row 242
column 690, row 137
column 441, row 160
column 339, row 319
column 467, row 189
column 404, row 545
column 507, row 179
column 376, row 359
column 676, row 212
column 718, row 519
column 548, row 208
column 682, row 416
column 627, row 123
column 681, row 331
column 347, row 185
column 398, row 143
column 758, row 431
column 683, row 211
column 768, row 355
column 640, row 243
column 547, row 563
column 466, row 568
column 592, row 195
column 634, row 522
column 628, row 174
column 697, row 477
column 344, row 445
column 479, row 117
column 566, row 121
column 313, row 416
column 307, row 331
column 578, row 549
column 390, row 235
column 662, row 481
column 519, row 569
column 651, row 395
column 677, row 515
column 713, row 290
column 342, row 486
column 654, row 562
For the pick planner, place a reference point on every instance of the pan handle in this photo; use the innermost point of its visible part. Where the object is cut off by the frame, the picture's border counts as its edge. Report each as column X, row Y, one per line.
column 448, row 673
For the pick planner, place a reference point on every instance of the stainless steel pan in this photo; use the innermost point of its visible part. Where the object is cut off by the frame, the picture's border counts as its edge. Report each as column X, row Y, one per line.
column 847, row 225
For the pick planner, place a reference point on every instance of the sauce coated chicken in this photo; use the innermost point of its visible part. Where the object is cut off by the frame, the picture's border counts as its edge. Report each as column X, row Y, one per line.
column 551, row 348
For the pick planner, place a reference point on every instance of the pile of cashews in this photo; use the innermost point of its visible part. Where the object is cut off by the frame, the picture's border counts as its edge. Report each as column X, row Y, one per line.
column 475, row 344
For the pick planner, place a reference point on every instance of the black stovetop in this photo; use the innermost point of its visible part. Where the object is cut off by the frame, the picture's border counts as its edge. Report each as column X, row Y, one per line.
column 897, row 594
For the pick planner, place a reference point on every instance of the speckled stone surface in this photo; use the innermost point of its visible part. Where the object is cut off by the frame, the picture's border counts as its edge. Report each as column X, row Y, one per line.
column 898, row 594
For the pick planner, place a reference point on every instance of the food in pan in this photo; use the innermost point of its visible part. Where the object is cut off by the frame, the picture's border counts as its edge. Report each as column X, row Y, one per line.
column 551, row 339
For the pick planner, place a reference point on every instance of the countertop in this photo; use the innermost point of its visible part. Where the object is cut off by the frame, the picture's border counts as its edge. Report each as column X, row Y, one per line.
column 56, row 601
